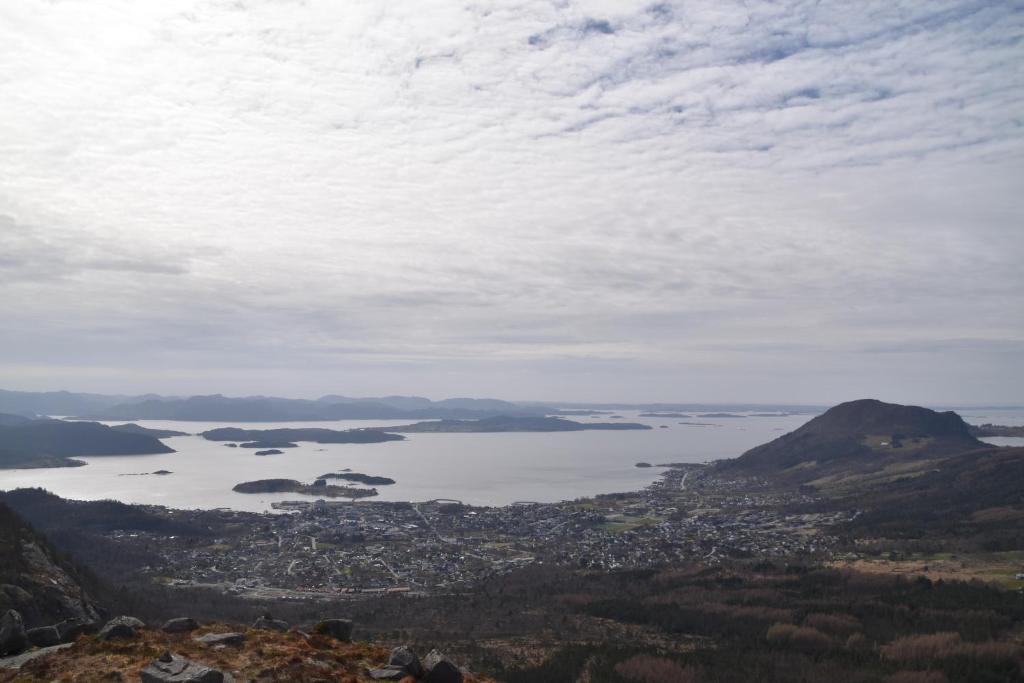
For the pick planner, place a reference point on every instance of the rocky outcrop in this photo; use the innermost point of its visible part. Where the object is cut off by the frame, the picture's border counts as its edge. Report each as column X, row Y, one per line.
column 44, row 636
column 439, row 669
column 180, row 625
column 403, row 663
column 267, row 623
column 214, row 639
column 13, row 639
column 121, row 628
column 171, row 668
column 404, row 658
column 18, row 661
column 339, row 629
column 70, row 629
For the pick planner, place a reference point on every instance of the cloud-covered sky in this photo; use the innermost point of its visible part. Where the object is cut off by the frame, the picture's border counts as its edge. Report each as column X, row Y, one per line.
column 781, row 201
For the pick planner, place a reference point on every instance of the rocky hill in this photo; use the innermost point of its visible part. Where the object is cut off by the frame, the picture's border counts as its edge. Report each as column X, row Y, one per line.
column 42, row 587
column 859, row 437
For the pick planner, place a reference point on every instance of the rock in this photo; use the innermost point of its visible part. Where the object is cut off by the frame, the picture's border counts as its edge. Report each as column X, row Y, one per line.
column 180, row 625
column 12, row 634
column 19, row 661
column 70, row 629
column 128, row 621
column 123, row 627
column 13, row 597
column 44, row 636
column 213, row 639
column 339, row 629
column 439, row 669
column 266, row 623
column 171, row 668
column 405, row 659
column 388, row 673
column 116, row 630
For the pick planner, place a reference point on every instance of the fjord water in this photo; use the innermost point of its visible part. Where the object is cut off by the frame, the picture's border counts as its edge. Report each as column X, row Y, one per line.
column 481, row 469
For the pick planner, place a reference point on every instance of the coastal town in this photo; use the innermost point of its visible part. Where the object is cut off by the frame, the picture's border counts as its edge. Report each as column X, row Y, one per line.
column 315, row 548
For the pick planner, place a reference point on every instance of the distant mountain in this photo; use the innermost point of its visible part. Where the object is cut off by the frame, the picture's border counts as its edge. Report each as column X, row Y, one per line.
column 58, row 402
column 858, row 436
column 400, row 402
column 505, row 423
column 50, row 443
column 269, row 409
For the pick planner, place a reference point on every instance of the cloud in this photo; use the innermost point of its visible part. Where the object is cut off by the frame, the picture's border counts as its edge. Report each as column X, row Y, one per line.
column 486, row 191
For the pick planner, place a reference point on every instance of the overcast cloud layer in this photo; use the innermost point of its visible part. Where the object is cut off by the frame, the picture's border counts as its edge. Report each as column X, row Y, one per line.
column 787, row 201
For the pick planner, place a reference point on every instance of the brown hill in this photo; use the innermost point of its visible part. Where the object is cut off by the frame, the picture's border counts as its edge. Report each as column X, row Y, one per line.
column 859, row 437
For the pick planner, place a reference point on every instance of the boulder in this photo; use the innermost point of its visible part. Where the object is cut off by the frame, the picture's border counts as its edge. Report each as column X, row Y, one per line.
column 388, row 673
column 70, row 629
column 339, row 629
column 170, row 668
column 12, row 634
column 180, row 625
column 267, row 623
column 116, row 630
column 405, row 659
column 439, row 669
column 44, row 636
column 128, row 621
column 212, row 639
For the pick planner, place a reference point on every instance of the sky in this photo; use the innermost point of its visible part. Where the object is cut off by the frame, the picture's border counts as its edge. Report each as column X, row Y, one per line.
column 788, row 201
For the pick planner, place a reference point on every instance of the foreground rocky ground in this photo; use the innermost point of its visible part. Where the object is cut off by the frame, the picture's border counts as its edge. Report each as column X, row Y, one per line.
column 182, row 651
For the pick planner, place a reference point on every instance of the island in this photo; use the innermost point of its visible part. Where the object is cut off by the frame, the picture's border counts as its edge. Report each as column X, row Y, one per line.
column 52, row 443
column 269, row 451
column 268, row 444
column 263, row 437
column 720, row 415
column 132, row 428
column 318, row 488
column 989, row 429
column 367, row 479
column 513, row 424
column 644, row 464
column 664, row 415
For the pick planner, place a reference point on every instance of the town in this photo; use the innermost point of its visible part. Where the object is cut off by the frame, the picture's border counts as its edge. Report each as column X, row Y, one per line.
column 323, row 548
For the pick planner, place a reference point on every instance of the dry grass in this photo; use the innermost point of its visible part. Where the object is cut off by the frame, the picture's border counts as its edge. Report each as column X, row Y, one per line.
column 265, row 657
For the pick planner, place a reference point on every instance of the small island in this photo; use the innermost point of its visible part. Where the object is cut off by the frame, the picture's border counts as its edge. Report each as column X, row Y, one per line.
column 318, row 488
column 268, row 444
column 644, row 464
column 664, row 415
column 513, row 424
column 367, row 479
column 264, row 437
column 720, row 415
column 269, row 451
